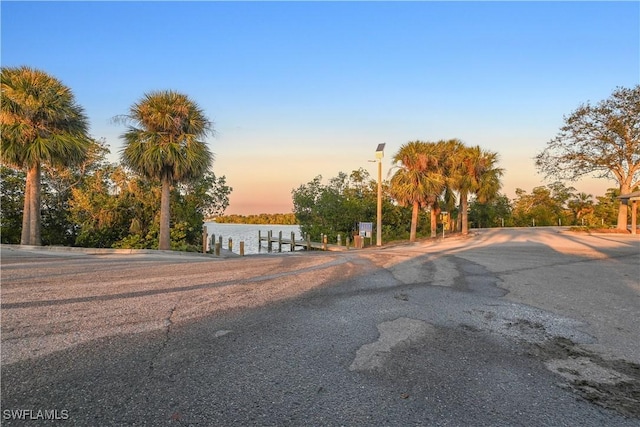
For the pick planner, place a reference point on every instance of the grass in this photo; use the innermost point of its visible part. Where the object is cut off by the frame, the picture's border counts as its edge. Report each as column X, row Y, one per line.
column 588, row 229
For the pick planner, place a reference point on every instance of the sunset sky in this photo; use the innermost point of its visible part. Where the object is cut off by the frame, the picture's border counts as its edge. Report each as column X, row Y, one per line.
column 299, row 89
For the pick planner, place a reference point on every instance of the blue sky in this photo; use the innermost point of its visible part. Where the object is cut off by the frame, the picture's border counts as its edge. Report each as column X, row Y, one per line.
column 297, row 89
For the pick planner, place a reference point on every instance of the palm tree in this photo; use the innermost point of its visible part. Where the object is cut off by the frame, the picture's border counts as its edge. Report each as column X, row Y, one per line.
column 452, row 152
column 164, row 141
column 580, row 205
column 418, row 180
column 475, row 172
column 41, row 123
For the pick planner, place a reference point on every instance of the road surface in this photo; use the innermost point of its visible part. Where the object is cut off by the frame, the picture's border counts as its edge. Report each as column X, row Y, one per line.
column 506, row 327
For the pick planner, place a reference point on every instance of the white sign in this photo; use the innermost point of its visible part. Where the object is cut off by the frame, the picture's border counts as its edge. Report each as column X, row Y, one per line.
column 366, row 229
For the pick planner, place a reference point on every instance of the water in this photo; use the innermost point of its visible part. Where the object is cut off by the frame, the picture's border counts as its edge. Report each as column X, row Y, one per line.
column 249, row 234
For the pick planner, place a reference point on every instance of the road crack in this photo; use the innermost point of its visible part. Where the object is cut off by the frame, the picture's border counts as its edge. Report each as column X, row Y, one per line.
column 168, row 325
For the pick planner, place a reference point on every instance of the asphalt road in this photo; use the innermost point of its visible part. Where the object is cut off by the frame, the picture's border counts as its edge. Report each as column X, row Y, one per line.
column 508, row 327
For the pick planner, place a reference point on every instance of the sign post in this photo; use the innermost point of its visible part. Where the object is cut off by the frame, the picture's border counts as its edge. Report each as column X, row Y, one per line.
column 366, row 230
column 444, row 217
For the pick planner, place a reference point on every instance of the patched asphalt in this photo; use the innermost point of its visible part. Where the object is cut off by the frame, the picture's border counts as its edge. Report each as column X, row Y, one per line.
column 506, row 327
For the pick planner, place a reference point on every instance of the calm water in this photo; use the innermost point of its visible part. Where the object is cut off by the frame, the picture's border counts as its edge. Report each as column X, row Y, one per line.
column 249, row 234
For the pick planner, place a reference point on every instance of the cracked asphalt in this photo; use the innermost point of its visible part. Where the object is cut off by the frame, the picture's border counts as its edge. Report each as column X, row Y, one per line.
column 506, row 327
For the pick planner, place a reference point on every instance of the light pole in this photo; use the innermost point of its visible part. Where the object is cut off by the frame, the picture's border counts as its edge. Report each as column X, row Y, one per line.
column 379, row 156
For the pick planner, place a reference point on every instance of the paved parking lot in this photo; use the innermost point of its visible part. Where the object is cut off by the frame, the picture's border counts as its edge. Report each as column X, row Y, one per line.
column 507, row 327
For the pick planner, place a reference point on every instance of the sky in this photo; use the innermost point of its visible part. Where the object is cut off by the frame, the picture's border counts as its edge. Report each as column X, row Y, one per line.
column 300, row 89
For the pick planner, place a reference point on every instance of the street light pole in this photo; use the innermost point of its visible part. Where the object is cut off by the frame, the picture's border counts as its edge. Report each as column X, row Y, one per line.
column 379, row 156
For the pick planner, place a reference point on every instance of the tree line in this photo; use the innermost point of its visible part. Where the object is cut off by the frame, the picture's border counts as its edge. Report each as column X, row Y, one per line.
column 550, row 205
column 336, row 207
column 54, row 174
column 263, row 218
column 57, row 187
column 437, row 180
column 427, row 178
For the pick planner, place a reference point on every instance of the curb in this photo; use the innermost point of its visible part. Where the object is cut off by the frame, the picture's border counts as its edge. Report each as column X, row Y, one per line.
column 112, row 251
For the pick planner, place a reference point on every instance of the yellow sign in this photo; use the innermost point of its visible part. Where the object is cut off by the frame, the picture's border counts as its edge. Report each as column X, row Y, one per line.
column 444, row 218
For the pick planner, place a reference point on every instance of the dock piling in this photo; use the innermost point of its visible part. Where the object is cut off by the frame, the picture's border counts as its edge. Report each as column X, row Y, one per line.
column 304, row 242
column 205, row 239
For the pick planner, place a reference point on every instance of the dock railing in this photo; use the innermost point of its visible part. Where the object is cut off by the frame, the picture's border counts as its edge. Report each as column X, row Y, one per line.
column 304, row 243
column 214, row 246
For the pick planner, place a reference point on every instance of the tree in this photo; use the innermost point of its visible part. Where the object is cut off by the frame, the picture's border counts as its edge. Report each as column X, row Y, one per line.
column 213, row 194
column 55, row 193
column 493, row 213
column 306, row 207
column 544, row 206
column 605, row 211
column 57, row 185
column 418, row 180
column 337, row 207
column 164, row 141
column 581, row 205
column 41, row 123
column 601, row 139
column 334, row 208
column 195, row 200
column 115, row 207
column 456, row 177
column 12, row 201
column 471, row 170
column 106, row 204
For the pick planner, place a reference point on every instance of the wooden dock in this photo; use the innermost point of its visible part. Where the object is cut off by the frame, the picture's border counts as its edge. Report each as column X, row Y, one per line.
column 277, row 242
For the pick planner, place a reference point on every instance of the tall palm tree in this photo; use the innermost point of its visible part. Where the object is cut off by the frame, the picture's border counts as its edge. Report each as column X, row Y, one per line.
column 475, row 173
column 41, row 123
column 418, row 180
column 164, row 140
column 452, row 152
